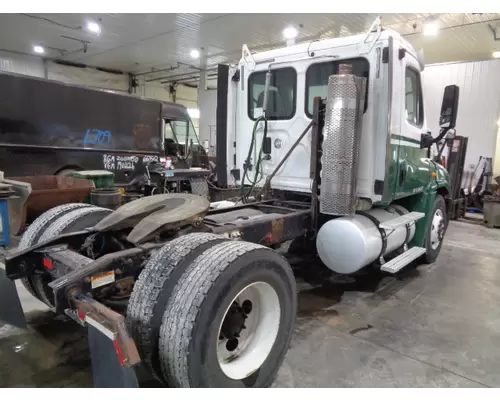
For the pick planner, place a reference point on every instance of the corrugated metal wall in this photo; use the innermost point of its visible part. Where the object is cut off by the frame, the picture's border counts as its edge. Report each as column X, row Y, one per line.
column 35, row 66
column 153, row 91
column 21, row 64
column 88, row 77
column 479, row 103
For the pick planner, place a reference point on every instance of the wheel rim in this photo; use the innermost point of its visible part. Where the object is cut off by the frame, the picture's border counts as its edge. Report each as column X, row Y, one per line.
column 437, row 229
column 248, row 330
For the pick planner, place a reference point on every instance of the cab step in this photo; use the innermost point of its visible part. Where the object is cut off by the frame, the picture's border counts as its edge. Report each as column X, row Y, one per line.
column 402, row 220
column 402, row 260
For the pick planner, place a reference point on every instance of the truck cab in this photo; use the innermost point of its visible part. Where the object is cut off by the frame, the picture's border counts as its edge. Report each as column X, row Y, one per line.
column 392, row 163
column 371, row 175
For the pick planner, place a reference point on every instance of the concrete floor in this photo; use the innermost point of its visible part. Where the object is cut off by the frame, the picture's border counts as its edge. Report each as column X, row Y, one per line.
column 433, row 326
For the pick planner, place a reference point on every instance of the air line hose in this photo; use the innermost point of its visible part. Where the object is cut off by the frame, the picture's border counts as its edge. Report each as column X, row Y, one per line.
column 244, row 195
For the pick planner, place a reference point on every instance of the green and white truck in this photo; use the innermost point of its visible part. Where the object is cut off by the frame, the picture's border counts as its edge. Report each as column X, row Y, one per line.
column 330, row 140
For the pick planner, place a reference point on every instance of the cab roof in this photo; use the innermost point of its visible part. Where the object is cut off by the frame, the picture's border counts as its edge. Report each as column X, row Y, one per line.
column 306, row 48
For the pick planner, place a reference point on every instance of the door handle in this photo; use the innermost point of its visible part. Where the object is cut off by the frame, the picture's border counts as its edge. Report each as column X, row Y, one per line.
column 402, row 173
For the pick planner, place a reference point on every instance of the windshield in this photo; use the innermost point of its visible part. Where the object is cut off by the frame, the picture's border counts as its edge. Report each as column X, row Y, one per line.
column 178, row 130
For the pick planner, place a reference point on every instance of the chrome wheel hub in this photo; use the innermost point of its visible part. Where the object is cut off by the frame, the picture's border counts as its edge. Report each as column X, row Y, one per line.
column 437, row 229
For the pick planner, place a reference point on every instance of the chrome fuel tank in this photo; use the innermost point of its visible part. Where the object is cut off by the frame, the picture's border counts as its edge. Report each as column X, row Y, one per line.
column 347, row 244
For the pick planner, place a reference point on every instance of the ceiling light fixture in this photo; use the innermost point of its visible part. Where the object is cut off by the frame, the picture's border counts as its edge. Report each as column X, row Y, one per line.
column 496, row 54
column 194, row 113
column 290, row 32
column 431, row 27
column 194, row 53
column 94, row 27
column 38, row 49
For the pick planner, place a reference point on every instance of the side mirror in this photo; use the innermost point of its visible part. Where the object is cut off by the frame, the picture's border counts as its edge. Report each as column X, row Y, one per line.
column 449, row 107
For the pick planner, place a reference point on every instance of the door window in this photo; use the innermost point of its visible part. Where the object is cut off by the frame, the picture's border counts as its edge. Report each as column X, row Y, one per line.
column 169, row 132
column 282, row 94
column 178, row 130
column 317, row 79
column 413, row 98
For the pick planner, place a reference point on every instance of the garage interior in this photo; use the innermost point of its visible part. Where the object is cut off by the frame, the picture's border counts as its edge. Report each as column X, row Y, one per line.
column 433, row 325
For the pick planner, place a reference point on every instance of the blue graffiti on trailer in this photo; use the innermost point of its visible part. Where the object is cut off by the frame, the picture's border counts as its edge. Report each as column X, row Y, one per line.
column 97, row 137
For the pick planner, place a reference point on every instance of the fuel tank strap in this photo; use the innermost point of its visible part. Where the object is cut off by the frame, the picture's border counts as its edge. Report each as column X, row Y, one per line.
column 408, row 226
column 383, row 234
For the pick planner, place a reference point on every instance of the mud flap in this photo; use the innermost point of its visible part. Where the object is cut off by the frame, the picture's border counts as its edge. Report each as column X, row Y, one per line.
column 11, row 311
column 107, row 370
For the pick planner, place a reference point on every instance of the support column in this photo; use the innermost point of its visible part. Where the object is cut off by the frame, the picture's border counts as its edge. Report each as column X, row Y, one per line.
column 202, row 86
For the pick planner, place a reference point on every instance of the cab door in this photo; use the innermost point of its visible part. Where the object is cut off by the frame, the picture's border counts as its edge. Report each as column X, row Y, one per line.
column 285, row 123
column 413, row 166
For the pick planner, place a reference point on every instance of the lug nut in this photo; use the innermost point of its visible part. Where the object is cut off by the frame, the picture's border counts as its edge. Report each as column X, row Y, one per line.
column 247, row 306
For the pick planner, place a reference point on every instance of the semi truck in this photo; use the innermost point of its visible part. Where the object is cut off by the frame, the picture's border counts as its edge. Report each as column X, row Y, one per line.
column 328, row 142
column 53, row 128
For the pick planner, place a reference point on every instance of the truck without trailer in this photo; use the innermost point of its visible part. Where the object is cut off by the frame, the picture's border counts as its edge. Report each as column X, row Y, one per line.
column 330, row 139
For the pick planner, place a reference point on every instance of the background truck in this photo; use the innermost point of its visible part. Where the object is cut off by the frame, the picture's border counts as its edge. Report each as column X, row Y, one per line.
column 338, row 161
column 52, row 128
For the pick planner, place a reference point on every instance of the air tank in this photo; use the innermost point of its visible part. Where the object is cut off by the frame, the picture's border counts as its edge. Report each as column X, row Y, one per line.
column 347, row 244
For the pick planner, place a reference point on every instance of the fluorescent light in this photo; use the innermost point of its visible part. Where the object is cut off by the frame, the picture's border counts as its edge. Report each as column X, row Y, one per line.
column 38, row 49
column 290, row 32
column 431, row 28
column 194, row 53
column 496, row 54
column 194, row 113
column 94, row 27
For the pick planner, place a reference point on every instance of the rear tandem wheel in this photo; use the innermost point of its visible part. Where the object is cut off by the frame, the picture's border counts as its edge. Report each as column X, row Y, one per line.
column 152, row 292
column 36, row 229
column 209, row 312
column 75, row 220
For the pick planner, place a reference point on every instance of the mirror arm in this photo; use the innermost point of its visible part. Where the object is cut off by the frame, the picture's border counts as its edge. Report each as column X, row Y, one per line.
column 441, row 135
column 440, row 150
column 426, row 140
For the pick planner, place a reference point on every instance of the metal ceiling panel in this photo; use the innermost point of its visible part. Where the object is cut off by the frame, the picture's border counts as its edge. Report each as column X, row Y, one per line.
column 141, row 42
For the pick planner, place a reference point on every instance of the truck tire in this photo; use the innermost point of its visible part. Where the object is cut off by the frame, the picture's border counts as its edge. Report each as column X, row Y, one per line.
column 199, row 186
column 72, row 221
column 75, row 220
column 436, row 228
column 36, row 229
column 229, row 320
column 152, row 291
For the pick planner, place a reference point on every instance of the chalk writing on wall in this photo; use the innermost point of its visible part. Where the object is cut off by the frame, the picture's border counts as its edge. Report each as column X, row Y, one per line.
column 108, row 161
column 148, row 159
column 112, row 162
column 126, row 162
column 97, row 137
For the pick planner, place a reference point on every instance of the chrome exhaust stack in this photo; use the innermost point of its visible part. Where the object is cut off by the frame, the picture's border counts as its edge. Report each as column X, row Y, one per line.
column 340, row 148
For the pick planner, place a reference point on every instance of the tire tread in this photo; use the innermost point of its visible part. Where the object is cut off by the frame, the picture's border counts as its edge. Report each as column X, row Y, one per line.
column 148, row 289
column 186, row 301
column 67, row 220
column 59, row 226
column 36, row 229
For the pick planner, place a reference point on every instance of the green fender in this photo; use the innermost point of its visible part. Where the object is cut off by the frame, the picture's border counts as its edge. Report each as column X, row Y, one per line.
column 424, row 202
